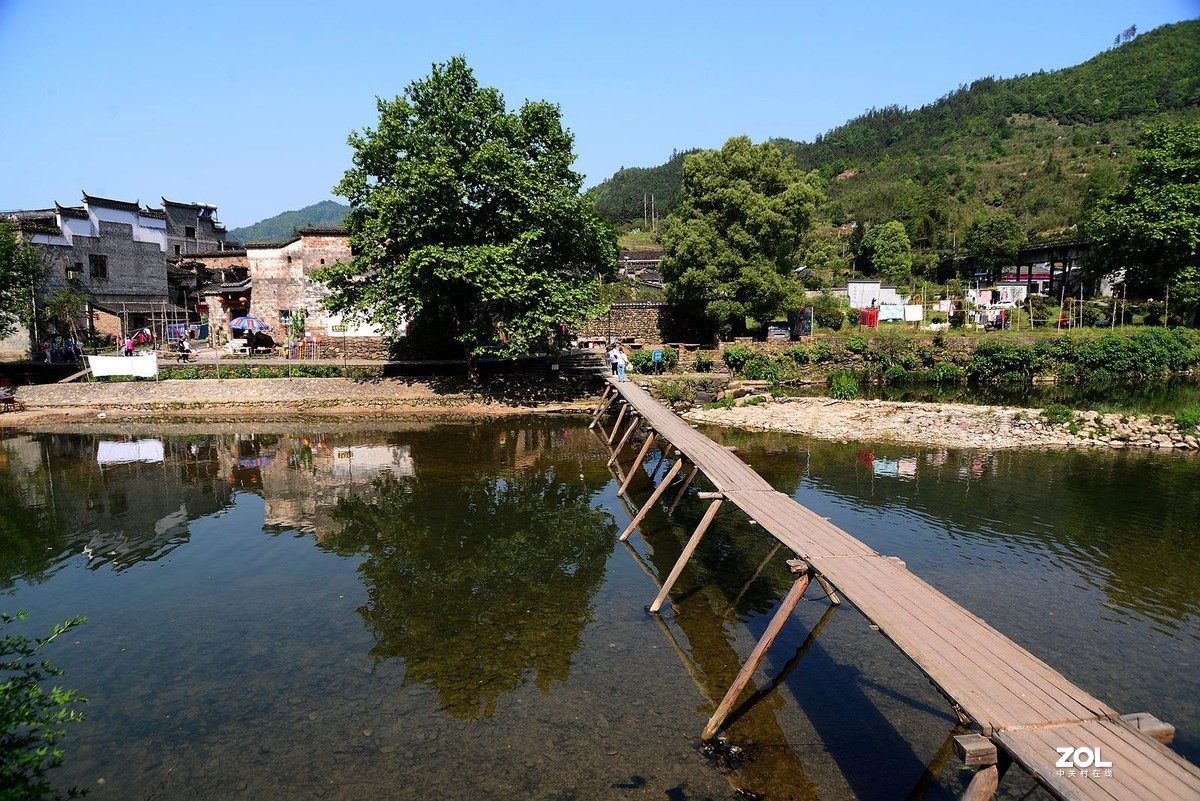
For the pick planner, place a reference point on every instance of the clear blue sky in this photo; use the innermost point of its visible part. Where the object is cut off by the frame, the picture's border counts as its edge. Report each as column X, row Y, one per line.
column 248, row 104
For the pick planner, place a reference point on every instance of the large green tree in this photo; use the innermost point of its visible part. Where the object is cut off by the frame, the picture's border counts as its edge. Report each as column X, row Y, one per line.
column 20, row 272
column 994, row 241
column 730, row 248
column 469, row 213
column 888, row 248
column 1151, row 226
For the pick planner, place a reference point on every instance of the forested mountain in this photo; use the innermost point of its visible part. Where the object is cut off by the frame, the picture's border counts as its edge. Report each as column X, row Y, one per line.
column 1037, row 146
column 282, row 226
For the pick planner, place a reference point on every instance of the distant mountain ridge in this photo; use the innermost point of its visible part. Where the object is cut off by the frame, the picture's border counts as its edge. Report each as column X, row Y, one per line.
column 282, row 226
column 1036, row 145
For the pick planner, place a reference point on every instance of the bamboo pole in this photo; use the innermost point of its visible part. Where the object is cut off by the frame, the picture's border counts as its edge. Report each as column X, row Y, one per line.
column 605, row 400
column 617, row 425
column 757, row 572
column 634, row 426
column 687, row 482
column 773, row 628
column 688, row 550
column 637, row 461
column 658, row 491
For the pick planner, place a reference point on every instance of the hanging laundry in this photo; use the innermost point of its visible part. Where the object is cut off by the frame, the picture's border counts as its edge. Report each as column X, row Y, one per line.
column 914, row 313
column 890, row 312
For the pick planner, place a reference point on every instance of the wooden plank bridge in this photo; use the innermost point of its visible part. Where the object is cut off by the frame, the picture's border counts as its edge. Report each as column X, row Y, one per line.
column 1024, row 710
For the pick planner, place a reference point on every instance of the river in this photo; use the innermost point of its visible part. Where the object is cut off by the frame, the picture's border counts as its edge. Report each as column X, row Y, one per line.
column 428, row 610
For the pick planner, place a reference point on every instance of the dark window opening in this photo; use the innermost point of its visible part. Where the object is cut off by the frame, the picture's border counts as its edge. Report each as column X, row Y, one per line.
column 285, row 316
column 75, row 272
column 189, row 232
column 177, row 249
column 97, row 266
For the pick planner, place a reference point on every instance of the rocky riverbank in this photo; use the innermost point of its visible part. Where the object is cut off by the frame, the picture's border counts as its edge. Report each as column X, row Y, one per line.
column 946, row 424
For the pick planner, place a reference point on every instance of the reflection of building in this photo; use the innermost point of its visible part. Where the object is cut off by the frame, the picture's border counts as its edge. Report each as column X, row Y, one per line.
column 300, row 491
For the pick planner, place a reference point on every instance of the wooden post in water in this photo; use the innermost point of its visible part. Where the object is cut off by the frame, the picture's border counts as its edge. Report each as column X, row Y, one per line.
column 617, row 425
column 687, row 482
column 605, row 401
column 688, row 550
column 658, row 491
column 637, row 422
column 637, row 463
column 773, row 628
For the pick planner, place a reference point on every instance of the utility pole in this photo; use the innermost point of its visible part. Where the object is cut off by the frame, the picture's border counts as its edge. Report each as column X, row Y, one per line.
column 645, row 211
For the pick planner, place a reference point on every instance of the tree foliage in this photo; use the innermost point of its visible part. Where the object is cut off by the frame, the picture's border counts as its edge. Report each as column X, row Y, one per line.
column 994, row 240
column 63, row 309
column 730, row 249
column 32, row 718
column 1151, row 226
column 20, row 272
column 889, row 251
column 471, row 213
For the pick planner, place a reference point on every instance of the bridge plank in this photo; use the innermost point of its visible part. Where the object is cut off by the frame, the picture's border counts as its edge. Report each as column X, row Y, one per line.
column 1022, row 703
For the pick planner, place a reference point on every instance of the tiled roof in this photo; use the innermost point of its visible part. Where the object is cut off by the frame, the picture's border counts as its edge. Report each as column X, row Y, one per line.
column 179, row 205
column 77, row 212
column 213, row 253
column 158, row 214
column 109, row 203
column 270, row 245
column 323, row 230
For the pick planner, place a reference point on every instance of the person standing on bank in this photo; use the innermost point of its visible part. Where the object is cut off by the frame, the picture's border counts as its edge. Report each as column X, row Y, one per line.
column 622, row 363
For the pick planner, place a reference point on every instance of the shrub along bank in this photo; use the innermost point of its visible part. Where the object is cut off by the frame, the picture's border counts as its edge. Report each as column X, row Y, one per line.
column 897, row 357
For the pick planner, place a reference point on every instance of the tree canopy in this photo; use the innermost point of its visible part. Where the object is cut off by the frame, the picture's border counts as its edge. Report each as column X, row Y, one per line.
column 994, row 240
column 1151, row 226
column 730, row 248
column 471, row 213
column 20, row 272
column 888, row 249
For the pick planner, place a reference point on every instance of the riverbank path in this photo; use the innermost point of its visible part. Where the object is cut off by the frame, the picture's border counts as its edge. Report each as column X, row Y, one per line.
column 1024, row 711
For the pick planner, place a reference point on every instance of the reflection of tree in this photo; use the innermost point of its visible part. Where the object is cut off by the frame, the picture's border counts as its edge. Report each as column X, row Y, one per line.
column 476, row 581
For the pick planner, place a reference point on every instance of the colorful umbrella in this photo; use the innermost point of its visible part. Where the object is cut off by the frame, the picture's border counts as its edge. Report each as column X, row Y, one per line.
column 248, row 323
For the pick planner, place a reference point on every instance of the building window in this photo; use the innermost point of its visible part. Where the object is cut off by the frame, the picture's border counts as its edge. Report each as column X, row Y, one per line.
column 189, row 232
column 285, row 316
column 177, row 249
column 97, row 266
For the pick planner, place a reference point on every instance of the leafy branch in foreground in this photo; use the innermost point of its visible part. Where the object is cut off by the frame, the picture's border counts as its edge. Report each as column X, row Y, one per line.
column 32, row 718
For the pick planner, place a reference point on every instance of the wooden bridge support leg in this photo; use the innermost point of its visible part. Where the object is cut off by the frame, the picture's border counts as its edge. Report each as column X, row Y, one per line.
column 983, row 785
column 834, row 598
column 637, row 463
column 633, row 427
column 617, row 425
column 773, row 628
column 688, row 550
column 687, row 482
column 606, row 400
column 649, row 504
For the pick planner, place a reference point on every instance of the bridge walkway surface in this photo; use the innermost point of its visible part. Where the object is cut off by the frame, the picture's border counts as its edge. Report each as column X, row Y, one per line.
column 1025, row 711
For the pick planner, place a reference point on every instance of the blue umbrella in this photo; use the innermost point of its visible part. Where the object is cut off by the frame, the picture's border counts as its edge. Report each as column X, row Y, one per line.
column 248, row 323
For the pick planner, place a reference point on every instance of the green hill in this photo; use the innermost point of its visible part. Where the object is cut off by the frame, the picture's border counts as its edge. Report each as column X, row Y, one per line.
column 1035, row 145
column 282, row 226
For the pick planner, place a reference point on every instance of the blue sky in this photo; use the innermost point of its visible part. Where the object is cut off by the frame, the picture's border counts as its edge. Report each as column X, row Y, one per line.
column 248, row 105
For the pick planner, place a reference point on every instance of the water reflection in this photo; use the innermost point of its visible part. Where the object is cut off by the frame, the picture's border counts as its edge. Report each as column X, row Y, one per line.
column 478, row 581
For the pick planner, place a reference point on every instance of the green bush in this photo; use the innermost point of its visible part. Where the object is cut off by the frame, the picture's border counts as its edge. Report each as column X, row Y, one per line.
column 1188, row 421
column 946, row 373
column 994, row 358
column 857, row 343
column 703, row 363
column 843, row 384
column 736, row 356
column 641, row 361
column 799, row 354
column 827, row 312
column 1056, row 414
column 33, row 712
column 895, row 374
column 820, row 352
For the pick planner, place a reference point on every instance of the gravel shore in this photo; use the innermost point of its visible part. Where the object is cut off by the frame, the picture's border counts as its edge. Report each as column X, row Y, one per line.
column 945, row 424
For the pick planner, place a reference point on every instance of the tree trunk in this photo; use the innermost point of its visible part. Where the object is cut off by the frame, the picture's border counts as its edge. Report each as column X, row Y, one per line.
column 472, row 368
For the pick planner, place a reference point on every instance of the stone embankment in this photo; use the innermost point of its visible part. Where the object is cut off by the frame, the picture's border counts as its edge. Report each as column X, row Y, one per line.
column 945, row 424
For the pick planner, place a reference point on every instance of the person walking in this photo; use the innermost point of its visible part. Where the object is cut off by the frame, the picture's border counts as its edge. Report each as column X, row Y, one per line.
column 622, row 363
column 612, row 357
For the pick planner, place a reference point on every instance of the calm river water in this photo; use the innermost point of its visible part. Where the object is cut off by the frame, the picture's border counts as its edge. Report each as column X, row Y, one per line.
column 443, row 610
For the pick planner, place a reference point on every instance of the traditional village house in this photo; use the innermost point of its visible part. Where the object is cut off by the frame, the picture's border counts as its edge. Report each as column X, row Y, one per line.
column 116, row 252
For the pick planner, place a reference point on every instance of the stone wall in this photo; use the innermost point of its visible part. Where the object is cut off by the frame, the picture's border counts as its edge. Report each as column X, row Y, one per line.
column 335, row 347
column 281, row 278
column 648, row 320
